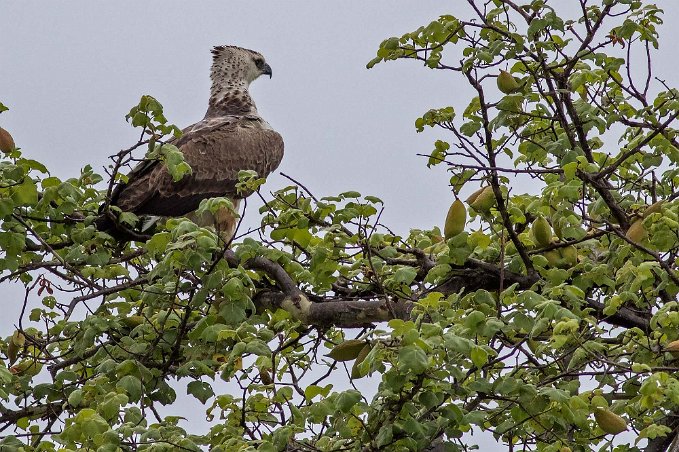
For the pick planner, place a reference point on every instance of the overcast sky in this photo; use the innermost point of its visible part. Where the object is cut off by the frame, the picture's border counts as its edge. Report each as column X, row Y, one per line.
column 70, row 71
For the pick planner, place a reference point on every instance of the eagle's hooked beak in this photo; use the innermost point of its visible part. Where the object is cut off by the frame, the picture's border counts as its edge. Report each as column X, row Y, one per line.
column 266, row 69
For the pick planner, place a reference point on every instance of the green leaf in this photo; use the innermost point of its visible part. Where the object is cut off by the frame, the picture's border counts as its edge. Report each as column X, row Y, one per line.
column 405, row 275
column 23, row 423
column 350, row 194
column 158, row 243
column 258, row 347
column 385, row 436
column 109, row 408
column 347, row 399
column 200, row 390
column 312, row 391
column 347, row 350
column 361, row 369
column 25, row 193
column 413, row 359
column 131, row 385
column 479, row 356
column 469, row 128
column 94, row 425
column 6, row 207
column 474, row 320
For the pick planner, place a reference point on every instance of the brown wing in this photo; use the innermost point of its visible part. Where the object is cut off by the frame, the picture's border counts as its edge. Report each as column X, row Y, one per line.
column 216, row 154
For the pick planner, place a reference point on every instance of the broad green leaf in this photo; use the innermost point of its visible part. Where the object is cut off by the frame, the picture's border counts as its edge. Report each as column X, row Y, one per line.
column 412, row 359
column 200, row 390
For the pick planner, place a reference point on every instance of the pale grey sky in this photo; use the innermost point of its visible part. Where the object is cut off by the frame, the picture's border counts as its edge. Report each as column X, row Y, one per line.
column 69, row 71
column 72, row 70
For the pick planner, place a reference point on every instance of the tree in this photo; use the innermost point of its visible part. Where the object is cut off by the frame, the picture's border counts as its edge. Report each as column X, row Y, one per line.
column 550, row 321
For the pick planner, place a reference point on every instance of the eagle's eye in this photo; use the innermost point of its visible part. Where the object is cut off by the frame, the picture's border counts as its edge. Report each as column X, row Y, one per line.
column 259, row 62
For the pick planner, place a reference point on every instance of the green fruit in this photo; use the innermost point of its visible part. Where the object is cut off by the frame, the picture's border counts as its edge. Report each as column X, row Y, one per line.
column 6, row 141
column 507, row 83
column 265, row 375
column 483, row 201
column 636, row 232
column 609, row 422
column 557, row 225
column 542, row 231
column 12, row 352
column 563, row 258
column 133, row 320
column 553, row 258
column 455, row 220
column 599, row 401
column 355, row 371
column 656, row 207
column 569, row 256
column 347, row 350
column 16, row 343
column 474, row 195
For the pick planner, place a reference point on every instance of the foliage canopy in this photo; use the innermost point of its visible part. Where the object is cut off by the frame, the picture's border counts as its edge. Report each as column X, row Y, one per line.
column 549, row 322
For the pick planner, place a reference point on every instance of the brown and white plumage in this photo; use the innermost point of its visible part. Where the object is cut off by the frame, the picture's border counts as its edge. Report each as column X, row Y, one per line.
column 232, row 137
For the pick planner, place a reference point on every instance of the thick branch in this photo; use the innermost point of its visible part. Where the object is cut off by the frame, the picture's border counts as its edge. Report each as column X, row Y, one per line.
column 39, row 411
column 338, row 313
column 361, row 312
column 624, row 317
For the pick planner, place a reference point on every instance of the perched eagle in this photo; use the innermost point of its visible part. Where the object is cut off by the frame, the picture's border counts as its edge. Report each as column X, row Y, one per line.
column 230, row 138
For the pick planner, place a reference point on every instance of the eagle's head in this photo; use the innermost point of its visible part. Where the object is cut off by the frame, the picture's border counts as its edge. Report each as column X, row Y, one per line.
column 231, row 64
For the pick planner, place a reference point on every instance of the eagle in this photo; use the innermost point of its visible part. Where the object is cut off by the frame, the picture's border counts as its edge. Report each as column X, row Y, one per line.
column 230, row 138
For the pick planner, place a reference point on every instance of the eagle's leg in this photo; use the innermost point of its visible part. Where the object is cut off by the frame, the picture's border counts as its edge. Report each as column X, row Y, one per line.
column 226, row 221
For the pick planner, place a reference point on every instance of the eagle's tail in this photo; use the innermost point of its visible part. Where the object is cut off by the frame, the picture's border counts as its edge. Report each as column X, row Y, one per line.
column 105, row 223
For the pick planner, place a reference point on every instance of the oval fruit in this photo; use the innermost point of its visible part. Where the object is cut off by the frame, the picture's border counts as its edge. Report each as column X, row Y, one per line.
column 6, row 141
column 609, row 422
column 455, row 220
column 484, row 200
column 542, row 231
column 16, row 343
column 133, row 320
column 672, row 347
column 265, row 375
column 474, row 195
column 553, row 258
column 636, row 232
column 507, row 83
column 656, row 207
column 569, row 256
